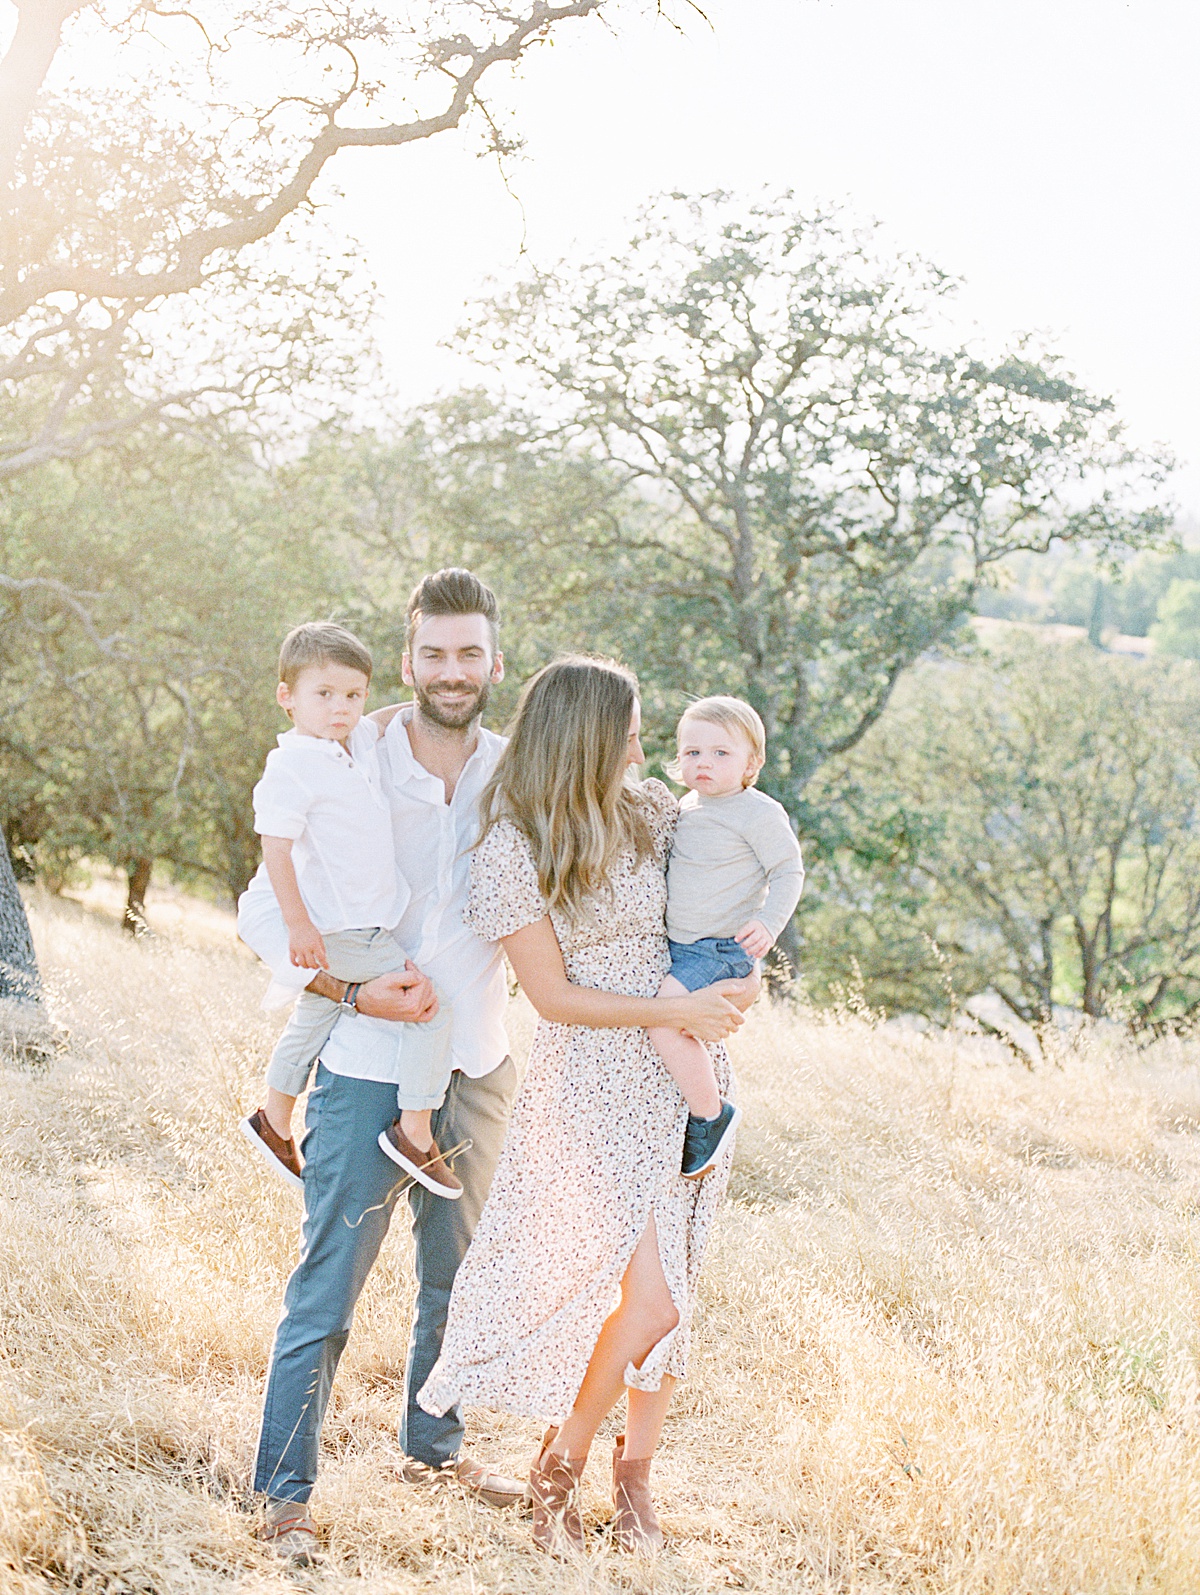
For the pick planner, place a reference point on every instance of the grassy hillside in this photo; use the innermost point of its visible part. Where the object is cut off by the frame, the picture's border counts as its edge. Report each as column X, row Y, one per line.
column 948, row 1338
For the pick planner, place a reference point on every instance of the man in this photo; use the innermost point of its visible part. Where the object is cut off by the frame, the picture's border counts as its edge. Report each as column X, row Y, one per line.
column 436, row 758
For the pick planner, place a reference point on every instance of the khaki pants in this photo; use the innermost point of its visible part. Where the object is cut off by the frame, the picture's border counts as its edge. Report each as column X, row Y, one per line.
column 424, row 1049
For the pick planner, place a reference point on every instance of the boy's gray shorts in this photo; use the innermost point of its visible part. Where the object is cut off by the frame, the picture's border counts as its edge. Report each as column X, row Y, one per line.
column 424, row 1057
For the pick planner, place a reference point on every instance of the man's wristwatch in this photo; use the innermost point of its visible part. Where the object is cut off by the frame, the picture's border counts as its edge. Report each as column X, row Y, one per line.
column 350, row 996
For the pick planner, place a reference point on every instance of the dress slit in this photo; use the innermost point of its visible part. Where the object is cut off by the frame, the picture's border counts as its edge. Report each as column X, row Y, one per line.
column 648, row 1375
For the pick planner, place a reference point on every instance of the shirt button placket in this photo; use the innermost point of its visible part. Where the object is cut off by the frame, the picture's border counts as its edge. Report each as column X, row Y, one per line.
column 446, row 851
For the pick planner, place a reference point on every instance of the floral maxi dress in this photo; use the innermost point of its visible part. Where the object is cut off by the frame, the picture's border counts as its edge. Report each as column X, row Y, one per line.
column 593, row 1152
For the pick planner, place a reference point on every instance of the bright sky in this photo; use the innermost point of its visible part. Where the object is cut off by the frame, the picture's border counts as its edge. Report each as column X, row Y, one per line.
column 1048, row 151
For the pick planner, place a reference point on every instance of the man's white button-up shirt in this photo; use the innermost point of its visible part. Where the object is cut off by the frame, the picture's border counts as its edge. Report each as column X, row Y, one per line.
column 433, row 842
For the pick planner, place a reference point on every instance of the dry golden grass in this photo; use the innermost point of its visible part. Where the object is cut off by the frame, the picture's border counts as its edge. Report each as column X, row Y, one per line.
column 947, row 1339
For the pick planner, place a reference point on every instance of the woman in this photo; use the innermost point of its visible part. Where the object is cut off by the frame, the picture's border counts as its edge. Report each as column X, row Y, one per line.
column 587, row 1202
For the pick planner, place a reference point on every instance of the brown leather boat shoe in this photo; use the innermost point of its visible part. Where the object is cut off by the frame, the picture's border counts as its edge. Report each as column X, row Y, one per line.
column 428, row 1168
column 497, row 1489
column 279, row 1155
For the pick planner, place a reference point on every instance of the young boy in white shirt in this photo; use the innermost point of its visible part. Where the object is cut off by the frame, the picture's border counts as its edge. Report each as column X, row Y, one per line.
column 329, row 858
column 733, row 882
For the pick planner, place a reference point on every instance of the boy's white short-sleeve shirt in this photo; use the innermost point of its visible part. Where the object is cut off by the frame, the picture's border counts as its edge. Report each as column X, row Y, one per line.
column 330, row 803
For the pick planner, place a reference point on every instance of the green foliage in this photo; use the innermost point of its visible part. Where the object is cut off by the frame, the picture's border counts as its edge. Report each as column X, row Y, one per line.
column 1177, row 630
column 1028, row 821
column 742, row 463
column 140, row 734
column 1070, row 587
column 161, row 256
column 815, row 485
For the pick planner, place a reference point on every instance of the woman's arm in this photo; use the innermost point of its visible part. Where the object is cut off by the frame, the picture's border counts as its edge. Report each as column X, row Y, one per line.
column 537, row 963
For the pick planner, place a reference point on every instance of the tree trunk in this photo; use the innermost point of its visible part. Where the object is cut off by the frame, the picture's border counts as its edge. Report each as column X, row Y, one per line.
column 1096, row 618
column 134, row 918
column 19, row 981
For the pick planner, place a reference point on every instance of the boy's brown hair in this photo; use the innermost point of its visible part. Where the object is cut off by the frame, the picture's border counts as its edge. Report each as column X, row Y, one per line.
column 321, row 642
column 452, row 591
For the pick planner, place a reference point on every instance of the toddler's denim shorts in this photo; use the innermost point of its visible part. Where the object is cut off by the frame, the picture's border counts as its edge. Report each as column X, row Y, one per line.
column 700, row 963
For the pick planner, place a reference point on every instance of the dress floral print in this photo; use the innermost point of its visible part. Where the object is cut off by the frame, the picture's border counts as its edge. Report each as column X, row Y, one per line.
column 593, row 1152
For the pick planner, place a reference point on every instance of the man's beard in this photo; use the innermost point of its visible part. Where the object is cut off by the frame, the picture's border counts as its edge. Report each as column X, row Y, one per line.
column 451, row 719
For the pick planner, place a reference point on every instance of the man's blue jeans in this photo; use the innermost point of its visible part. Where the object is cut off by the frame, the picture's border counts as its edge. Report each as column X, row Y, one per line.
column 349, row 1194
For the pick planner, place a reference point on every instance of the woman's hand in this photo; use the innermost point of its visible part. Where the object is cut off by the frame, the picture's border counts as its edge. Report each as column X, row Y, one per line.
column 707, row 1014
column 740, row 992
column 537, row 962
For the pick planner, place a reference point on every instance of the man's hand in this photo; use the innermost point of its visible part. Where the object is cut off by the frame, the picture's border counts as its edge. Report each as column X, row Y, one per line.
column 755, row 939
column 406, row 994
column 307, row 947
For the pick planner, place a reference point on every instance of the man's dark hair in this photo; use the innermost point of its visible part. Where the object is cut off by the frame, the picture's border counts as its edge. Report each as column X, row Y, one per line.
column 452, row 592
column 321, row 642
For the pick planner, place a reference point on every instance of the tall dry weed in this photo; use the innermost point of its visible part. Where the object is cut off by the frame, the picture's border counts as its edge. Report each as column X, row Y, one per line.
column 947, row 1340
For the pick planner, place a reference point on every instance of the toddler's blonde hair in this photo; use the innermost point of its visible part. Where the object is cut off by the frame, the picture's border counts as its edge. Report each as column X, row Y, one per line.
column 731, row 714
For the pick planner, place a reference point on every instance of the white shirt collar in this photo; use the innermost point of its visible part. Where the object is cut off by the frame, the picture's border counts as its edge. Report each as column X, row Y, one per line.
column 361, row 739
column 405, row 764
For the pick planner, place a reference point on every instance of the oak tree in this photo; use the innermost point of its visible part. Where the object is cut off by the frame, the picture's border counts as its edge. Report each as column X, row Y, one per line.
column 159, row 166
column 1028, row 821
column 155, row 159
column 822, row 477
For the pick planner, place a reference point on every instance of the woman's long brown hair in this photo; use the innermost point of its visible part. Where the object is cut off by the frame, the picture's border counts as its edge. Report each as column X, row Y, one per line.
column 561, row 779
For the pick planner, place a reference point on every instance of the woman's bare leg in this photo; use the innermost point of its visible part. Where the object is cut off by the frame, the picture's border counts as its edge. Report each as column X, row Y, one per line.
column 687, row 1061
column 644, row 1417
column 644, row 1315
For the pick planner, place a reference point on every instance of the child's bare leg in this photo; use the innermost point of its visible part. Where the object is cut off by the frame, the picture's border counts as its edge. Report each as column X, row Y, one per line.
column 687, row 1061
column 279, row 1112
column 415, row 1122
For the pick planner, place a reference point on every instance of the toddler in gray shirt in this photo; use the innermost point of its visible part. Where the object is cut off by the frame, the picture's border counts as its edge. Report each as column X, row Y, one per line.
column 733, row 883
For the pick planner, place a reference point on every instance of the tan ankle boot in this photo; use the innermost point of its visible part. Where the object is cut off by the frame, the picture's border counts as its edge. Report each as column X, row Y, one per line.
column 635, row 1527
column 554, row 1490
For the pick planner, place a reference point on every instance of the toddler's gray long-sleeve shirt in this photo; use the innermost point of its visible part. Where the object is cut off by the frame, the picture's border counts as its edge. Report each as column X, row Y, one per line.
column 734, row 858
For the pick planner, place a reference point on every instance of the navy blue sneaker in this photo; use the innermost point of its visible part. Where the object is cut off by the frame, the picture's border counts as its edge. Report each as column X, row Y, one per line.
column 705, row 1140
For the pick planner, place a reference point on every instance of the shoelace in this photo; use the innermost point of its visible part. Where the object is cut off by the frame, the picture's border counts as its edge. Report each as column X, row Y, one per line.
column 402, row 1185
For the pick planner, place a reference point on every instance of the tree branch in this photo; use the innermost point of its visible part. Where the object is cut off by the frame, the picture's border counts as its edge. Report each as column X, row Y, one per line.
column 194, row 250
column 68, row 599
column 844, row 744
